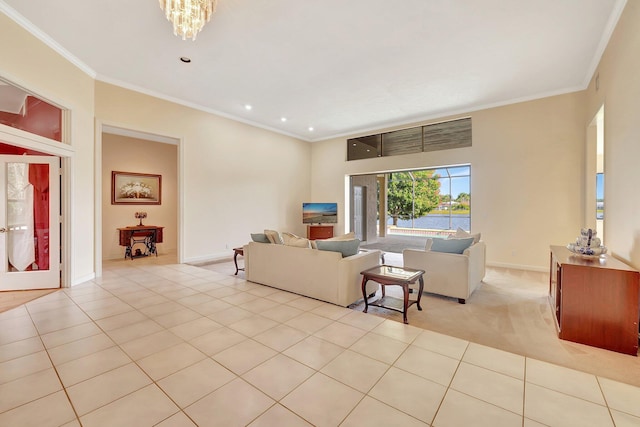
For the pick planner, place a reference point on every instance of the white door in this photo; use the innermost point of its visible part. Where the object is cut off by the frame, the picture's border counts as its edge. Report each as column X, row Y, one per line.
column 29, row 222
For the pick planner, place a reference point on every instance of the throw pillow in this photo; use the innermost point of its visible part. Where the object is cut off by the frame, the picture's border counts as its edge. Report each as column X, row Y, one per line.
column 259, row 237
column 345, row 247
column 451, row 246
column 348, row 236
column 428, row 244
column 273, row 236
column 291, row 239
column 462, row 234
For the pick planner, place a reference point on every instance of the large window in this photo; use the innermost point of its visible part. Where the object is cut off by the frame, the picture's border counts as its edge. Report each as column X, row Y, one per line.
column 429, row 201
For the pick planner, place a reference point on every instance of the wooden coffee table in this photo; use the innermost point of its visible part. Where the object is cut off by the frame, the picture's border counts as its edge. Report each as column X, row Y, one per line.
column 387, row 275
column 236, row 252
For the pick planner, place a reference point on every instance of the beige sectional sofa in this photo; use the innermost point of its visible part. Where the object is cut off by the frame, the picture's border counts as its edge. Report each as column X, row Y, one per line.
column 319, row 274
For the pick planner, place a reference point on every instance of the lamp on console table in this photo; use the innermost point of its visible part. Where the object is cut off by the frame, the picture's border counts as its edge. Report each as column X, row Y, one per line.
column 141, row 215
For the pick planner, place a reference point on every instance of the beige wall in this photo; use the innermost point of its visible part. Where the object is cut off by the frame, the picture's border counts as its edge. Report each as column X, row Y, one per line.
column 29, row 63
column 125, row 154
column 526, row 176
column 237, row 179
column 619, row 91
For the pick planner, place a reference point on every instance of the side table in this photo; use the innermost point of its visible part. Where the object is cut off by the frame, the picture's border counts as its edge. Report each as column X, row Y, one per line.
column 387, row 275
column 236, row 252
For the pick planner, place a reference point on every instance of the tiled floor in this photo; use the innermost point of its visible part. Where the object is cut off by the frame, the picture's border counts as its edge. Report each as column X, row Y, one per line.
column 179, row 345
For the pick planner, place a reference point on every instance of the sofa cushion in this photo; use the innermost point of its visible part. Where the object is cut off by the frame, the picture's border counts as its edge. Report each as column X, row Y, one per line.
column 462, row 234
column 259, row 237
column 273, row 236
column 452, row 246
column 345, row 247
column 348, row 236
column 291, row 239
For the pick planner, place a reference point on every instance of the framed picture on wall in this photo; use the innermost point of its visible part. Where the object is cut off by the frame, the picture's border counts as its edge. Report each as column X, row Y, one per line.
column 130, row 188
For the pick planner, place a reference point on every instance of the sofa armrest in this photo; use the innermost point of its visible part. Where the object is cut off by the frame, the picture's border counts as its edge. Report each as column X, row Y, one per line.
column 350, row 288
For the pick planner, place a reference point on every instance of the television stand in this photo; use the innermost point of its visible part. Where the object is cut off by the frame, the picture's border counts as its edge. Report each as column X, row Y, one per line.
column 319, row 232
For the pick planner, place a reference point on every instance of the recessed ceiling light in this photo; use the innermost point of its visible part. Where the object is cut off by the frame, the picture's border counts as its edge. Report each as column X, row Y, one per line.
column 185, row 59
column 310, row 128
column 283, row 119
column 248, row 107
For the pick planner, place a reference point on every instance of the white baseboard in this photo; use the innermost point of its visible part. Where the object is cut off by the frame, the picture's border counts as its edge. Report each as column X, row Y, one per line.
column 519, row 267
column 219, row 256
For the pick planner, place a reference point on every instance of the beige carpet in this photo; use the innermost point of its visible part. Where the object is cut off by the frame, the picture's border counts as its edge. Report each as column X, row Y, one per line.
column 510, row 311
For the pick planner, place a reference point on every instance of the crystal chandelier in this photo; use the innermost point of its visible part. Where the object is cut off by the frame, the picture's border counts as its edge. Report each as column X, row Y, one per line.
column 188, row 16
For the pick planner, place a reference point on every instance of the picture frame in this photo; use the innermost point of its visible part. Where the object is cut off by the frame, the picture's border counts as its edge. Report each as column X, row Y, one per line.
column 131, row 188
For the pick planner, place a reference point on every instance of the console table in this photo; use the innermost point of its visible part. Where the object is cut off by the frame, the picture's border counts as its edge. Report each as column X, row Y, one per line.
column 595, row 300
column 318, row 232
column 147, row 235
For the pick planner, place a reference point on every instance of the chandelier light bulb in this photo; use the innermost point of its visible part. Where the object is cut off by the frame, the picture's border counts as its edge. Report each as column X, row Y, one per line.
column 188, row 16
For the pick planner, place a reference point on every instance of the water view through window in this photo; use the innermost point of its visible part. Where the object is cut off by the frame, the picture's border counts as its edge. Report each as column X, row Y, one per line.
column 429, row 202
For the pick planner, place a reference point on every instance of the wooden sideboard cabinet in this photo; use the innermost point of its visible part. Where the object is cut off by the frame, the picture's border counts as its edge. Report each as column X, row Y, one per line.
column 318, row 232
column 595, row 300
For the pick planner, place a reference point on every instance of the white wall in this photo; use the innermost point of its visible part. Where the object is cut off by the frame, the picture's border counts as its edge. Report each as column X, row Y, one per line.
column 29, row 63
column 526, row 176
column 237, row 179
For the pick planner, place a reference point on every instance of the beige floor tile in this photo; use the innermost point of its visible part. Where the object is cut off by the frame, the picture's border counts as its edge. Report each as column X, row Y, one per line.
column 282, row 296
column 409, row 393
column 379, row 347
column 312, row 398
column 373, row 413
column 112, row 310
column 50, row 411
column 11, row 332
column 162, row 308
column 244, row 356
column 179, row 293
column 458, row 409
column 253, row 325
column 194, row 328
column 98, row 391
column 28, row 388
column 314, row 352
column 495, row 360
column 20, row 348
column 304, row 303
column 177, row 317
column 620, row 396
column 278, row 376
column 361, row 320
column 145, row 346
column 74, row 423
column 309, row 322
column 149, row 302
column 278, row 415
column 147, row 406
column 282, row 313
column 240, row 298
column 235, row 404
column 622, row 419
column 80, row 348
column 558, row 409
column 195, row 299
column 492, row 387
column 217, row 340
column 177, row 420
column 263, row 291
column 230, row 315
column 121, row 320
column 60, row 319
column 223, row 292
column 89, row 366
column 427, row 364
column 341, row 334
column 170, row 360
column 23, row 366
column 99, row 303
column 530, row 423
column 64, row 336
column 440, row 343
column 331, row 311
column 564, row 380
column 355, row 370
column 280, row 337
column 133, row 331
column 398, row 331
column 196, row 381
column 211, row 307
column 259, row 305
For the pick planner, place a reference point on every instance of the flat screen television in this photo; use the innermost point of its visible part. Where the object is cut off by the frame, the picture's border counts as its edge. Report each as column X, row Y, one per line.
column 319, row 213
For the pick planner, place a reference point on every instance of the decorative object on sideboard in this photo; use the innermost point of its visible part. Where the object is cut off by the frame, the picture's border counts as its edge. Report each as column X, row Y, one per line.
column 140, row 216
column 587, row 244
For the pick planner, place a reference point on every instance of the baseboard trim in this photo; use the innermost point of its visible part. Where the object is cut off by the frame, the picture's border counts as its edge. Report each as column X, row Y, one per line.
column 519, row 267
column 217, row 257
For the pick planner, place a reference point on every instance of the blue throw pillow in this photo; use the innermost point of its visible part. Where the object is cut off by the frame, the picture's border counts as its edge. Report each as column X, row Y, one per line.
column 451, row 246
column 259, row 237
column 345, row 247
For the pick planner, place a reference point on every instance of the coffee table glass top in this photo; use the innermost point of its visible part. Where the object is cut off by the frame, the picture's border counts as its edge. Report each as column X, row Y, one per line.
column 394, row 272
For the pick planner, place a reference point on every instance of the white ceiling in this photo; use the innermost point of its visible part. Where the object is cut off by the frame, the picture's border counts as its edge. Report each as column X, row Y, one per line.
column 340, row 66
